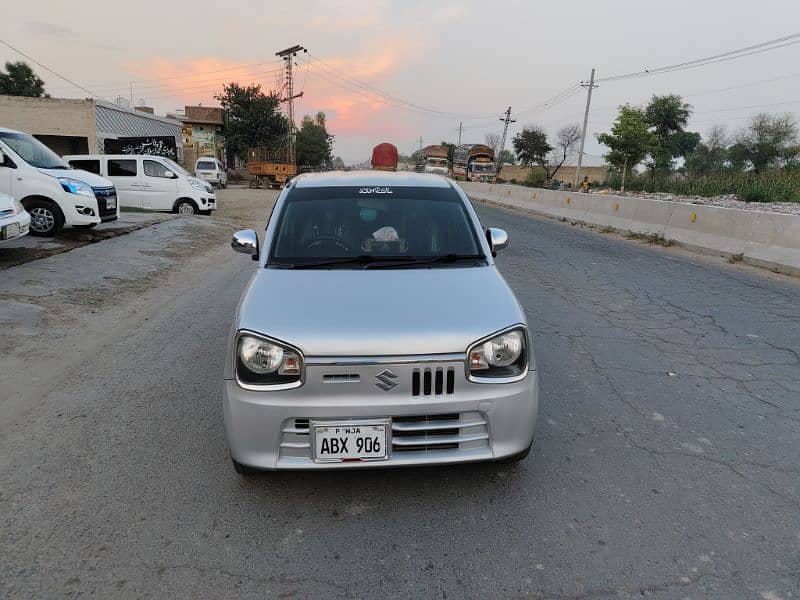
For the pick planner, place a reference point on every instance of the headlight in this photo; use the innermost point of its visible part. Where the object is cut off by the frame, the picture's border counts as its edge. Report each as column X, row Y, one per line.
column 501, row 356
column 18, row 208
column 260, row 361
column 73, row 186
column 198, row 185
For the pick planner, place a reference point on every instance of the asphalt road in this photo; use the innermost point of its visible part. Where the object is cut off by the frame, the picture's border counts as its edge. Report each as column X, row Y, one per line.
column 665, row 464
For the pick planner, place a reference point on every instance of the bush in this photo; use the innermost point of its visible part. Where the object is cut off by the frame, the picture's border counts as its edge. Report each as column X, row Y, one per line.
column 771, row 186
column 536, row 177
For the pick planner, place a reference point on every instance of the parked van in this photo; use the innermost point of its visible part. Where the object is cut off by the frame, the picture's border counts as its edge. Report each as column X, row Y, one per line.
column 212, row 171
column 150, row 182
column 54, row 194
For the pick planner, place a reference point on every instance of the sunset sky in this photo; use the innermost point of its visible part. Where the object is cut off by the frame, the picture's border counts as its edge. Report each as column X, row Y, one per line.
column 395, row 71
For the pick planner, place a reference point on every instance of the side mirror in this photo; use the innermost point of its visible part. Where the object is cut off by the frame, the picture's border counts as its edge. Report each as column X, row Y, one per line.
column 246, row 242
column 497, row 238
column 170, row 175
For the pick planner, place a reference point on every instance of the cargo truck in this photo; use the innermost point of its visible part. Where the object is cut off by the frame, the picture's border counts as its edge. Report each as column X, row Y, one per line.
column 384, row 157
column 434, row 160
column 474, row 162
column 270, row 166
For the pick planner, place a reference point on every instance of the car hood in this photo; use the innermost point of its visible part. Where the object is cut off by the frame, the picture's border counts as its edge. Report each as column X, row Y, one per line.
column 378, row 312
column 89, row 178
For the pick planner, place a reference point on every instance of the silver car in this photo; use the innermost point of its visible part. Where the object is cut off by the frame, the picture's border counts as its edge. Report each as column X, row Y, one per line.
column 376, row 331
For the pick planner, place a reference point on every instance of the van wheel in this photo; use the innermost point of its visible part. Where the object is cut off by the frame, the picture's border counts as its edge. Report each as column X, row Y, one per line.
column 46, row 217
column 186, row 207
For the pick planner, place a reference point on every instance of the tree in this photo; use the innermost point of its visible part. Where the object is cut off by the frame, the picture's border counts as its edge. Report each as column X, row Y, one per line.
column 451, row 149
column 768, row 141
column 314, row 144
column 710, row 155
column 531, row 147
column 493, row 141
column 20, row 80
column 254, row 118
column 629, row 141
column 668, row 115
column 507, row 157
column 337, row 164
column 567, row 140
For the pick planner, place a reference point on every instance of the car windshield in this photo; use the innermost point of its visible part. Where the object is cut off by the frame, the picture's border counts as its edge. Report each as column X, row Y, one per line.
column 32, row 151
column 351, row 226
column 176, row 167
column 483, row 167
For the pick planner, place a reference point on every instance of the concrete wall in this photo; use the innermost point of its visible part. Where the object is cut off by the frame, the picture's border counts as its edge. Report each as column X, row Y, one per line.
column 50, row 117
column 769, row 240
column 565, row 173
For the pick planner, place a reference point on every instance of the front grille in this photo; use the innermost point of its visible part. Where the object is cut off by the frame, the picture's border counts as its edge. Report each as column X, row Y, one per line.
column 416, row 433
column 438, row 382
column 102, row 195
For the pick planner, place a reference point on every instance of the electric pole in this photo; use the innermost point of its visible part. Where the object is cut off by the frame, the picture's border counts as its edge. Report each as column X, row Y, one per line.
column 507, row 120
column 287, row 55
column 591, row 86
column 459, row 132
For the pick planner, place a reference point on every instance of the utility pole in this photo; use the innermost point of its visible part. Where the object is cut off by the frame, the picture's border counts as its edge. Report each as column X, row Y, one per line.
column 507, row 119
column 460, row 124
column 591, row 86
column 287, row 55
column 131, row 94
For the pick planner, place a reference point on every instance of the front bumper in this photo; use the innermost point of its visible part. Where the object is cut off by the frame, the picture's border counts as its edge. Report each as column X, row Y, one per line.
column 471, row 422
column 15, row 226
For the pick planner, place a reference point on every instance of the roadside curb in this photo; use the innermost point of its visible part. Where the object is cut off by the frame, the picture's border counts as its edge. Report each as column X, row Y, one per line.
column 767, row 240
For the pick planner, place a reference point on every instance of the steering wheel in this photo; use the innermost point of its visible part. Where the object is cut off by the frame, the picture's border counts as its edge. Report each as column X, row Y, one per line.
column 330, row 239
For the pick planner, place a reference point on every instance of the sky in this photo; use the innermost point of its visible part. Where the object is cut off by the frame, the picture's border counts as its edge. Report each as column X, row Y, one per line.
column 403, row 70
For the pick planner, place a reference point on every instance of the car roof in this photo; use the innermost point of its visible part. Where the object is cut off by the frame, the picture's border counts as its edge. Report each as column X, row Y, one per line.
column 370, row 178
column 7, row 130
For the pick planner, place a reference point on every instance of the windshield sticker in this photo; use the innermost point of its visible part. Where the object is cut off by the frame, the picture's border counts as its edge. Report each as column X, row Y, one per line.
column 375, row 190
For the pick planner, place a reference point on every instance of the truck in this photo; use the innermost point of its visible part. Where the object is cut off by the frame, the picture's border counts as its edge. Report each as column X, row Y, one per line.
column 270, row 166
column 474, row 162
column 384, row 157
column 434, row 160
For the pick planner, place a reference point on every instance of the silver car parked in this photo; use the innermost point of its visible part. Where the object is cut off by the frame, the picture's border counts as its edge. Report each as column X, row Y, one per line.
column 376, row 331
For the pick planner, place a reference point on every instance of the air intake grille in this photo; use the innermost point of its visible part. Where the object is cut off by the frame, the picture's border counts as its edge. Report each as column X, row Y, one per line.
column 438, row 382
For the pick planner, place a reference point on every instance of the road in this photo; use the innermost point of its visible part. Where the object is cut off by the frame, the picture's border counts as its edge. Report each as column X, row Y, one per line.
column 665, row 463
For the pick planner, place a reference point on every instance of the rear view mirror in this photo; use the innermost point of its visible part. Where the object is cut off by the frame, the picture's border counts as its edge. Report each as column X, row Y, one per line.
column 246, row 242
column 497, row 238
column 170, row 175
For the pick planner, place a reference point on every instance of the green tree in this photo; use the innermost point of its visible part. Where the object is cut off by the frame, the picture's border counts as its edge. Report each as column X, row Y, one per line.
column 768, row 141
column 531, row 147
column 668, row 116
column 508, row 157
column 20, row 80
column 710, row 155
column 337, row 164
column 451, row 149
column 254, row 118
column 314, row 144
column 630, row 140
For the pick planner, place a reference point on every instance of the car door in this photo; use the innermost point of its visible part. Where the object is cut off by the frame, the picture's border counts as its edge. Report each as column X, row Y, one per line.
column 124, row 173
column 159, row 185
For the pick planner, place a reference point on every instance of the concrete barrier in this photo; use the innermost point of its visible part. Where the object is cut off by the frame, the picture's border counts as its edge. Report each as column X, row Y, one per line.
column 769, row 240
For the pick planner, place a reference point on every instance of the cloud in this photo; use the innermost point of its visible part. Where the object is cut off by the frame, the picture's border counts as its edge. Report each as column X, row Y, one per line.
column 48, row 29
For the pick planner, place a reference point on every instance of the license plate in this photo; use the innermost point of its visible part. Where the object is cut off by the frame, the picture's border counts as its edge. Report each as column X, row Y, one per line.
column 9, row 231
column 338, row 442
column 111, row 202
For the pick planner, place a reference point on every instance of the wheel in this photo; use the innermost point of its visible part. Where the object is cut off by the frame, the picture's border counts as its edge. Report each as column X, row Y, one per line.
column 244, row 470
column 46, row 217
column 89, row 226
column 516, row 458
column 186, row 207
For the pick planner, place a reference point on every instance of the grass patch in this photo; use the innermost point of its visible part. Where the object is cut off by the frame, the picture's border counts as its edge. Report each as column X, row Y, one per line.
column 656, row 239
column 736, row 258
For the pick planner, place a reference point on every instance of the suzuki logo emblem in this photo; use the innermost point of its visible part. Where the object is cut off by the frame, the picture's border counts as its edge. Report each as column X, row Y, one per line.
column 385, row 380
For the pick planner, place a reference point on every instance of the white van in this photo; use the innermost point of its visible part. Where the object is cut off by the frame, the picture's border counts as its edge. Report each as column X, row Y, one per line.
column 150, row 182
column 211, row 170
column 52, row 192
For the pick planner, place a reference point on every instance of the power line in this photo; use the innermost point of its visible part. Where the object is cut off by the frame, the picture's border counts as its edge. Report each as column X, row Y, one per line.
column 56, row 73
column 766, row 46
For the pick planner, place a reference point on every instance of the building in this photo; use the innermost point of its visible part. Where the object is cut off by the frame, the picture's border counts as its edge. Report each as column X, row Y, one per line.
column 203, row 133
column 89, row 126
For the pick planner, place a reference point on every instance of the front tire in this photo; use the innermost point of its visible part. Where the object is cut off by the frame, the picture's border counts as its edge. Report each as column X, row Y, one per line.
column 46, row 217
column 244, row 470
column 186, row 207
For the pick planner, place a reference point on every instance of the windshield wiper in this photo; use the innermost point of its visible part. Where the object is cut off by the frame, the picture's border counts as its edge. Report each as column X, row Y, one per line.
column 361, row 259
column 426, row 260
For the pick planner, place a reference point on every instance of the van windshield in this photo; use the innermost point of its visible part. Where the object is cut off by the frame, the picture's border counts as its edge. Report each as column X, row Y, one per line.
column 176, row 167
column 32, row 151
column 206, row 165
